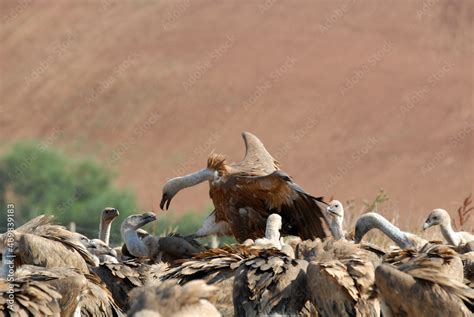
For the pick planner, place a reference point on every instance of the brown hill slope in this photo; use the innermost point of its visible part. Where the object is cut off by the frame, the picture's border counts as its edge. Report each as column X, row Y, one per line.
column 351, row 96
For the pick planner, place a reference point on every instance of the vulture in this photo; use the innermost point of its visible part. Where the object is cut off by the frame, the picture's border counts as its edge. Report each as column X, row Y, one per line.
column 100, row 247
column 372, row 220
column 107, row 216
column 172, row 300
column 42, row 292
column 120, row 278
column 441, row 217
column 425, row 283
column 38, row 242
column 157, row 249
column 98, row 300
column 218, row 266
column 341, row 279
column 272, row 282
column 244, row 194
column 42, row 244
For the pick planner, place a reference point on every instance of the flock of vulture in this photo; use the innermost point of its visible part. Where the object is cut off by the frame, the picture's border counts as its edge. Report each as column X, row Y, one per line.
column 319, row 270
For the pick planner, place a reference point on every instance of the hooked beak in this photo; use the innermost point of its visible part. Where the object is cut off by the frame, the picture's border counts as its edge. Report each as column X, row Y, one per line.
column 165, row 200
column 426, row 225
column 150, row 216
column 329, row 210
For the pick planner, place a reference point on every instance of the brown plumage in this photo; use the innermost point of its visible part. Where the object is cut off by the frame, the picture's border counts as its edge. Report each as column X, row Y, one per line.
column 216, row 267
column 41, row 243
column 270, row 283
column 341, row 273
column 341, row 280
column 98, row 301
column 31, row 295
column 121, row 278
column 172, row 300
column 428, row 283
column 246, row 193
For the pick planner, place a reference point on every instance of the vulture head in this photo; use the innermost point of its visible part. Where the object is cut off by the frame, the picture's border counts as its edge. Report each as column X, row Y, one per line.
column 135, row 222
column 335, row 209
column 174, row 185
column 437, row 217
column 274, row 222
column 109, row 214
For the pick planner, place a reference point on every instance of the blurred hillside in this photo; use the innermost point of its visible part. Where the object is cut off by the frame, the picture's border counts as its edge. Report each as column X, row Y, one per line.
column 350, row 96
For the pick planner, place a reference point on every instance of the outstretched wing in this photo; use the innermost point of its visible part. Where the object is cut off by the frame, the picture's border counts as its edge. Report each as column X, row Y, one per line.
column 277, row 193
column 257, row 160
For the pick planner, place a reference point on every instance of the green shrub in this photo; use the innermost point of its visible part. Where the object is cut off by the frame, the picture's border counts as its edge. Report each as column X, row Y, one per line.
column 40, row 180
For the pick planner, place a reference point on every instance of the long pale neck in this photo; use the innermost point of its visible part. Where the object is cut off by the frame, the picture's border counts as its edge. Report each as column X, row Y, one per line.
column 194, row 178
column 336, row 229
column 449, row 234
column 104, row 230
column 374, row 220
column 134, row 244
column 272, row 233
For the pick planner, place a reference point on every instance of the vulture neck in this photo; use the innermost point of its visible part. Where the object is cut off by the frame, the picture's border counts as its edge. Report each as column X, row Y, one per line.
column 134, row 244
column 336, row 228
column 272, row 233
column 104, row 230
column 374, row 220
column 180, row 182
column 449, row 234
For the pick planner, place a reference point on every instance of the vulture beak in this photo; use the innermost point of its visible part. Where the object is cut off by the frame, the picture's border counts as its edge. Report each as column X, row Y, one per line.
column 329, row 210
column 426, row 225
column 165, row 200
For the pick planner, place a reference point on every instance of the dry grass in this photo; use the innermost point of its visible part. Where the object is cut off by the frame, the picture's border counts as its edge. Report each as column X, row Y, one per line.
column 463, row 213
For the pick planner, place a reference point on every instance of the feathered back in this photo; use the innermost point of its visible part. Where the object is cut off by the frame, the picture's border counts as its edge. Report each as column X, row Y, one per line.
column 171, row 299
column 31, row 295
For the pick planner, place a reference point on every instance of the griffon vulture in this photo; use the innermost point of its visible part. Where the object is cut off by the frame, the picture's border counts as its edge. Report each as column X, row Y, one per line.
column 246, row 193
column 428, row 283
column 167, row 249
column 441, row 217
column 341, row 276
column 171, row 300
column 373, row 220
